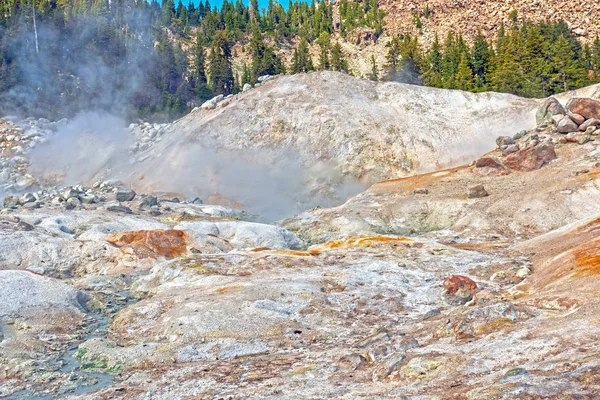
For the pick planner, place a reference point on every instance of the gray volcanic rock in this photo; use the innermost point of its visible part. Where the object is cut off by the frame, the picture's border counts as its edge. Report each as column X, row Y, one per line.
column 24, row 292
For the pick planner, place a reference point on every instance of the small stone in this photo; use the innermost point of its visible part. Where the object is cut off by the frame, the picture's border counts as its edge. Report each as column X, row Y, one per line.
column 246, row 87
column 74, row 201
column 523, row 272
column 24, row 226
column 504, row 141
column 498, row 276
column 519, row 135
column 513, row 148
column 27, row 198
column 420, row 191
column 578, row 119
column 459, row 289
column 589, row 123
column 118, row 207
column 11, row 202
column 477, row 191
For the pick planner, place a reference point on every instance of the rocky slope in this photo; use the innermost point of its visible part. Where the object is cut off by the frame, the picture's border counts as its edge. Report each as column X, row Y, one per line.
column 474, row 282
column 469, row 17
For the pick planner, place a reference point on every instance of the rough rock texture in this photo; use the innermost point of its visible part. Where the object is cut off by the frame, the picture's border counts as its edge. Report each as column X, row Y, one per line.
column 24, row 293
column 586, row 107
column 365, row 130
column 469, row 18
column 531, row 158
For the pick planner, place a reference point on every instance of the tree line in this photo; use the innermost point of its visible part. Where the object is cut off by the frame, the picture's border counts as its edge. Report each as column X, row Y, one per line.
column 527, row 59
column 147, row 59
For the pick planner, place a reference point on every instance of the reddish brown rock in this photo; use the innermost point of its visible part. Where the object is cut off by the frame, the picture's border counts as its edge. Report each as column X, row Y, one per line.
column 151, row 244
column 531, row 158
column 491, row 166
column 459, row 289
column 588, row 108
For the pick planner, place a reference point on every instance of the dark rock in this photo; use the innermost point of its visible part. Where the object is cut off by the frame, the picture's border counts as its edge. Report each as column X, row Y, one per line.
column 118, row 207
column 588, row 108
column 123, row 194
column 531, row 158
column 504, row 141
column 477, row 191
column 519, row 135
column 459, row 289
column 148, row 201
column 420, row 191
column 27, row 198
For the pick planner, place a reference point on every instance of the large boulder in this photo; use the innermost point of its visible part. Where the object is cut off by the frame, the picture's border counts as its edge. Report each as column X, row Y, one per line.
column 491, row 166
column 588, row 108
column 531, row 158
column 550, row 108
column 566, row 125
column 157, row 243
column 24, row 293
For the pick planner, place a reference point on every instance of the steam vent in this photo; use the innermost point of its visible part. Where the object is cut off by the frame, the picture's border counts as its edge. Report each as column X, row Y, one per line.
column 317, row 200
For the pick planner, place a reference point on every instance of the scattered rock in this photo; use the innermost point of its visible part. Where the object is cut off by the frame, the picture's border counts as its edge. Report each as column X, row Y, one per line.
column 566, row 125
column 504, row 141
column 531, row 158
column 123, row 194
column 578, row 119
column 491, row 166
column 550, row 108
column 459, row 289
column 586, row 107
column 420, row 191
column 477, row 191
column 592, row 122
column 118, row 207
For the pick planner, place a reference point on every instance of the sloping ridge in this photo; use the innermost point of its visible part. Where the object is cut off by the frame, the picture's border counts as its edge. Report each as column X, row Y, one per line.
column 370, row 131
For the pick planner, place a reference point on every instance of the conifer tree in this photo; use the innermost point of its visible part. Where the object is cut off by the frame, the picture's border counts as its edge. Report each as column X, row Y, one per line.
column 338, row 61
column 220, row 72
column 464, row 75
column 374, row 75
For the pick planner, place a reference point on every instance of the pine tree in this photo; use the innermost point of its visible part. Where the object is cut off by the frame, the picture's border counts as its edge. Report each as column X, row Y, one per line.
column 374, row 75
column 338, row 61
column 220, row 72
column 464, row 76
column 324, row 43
column 301, row 61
